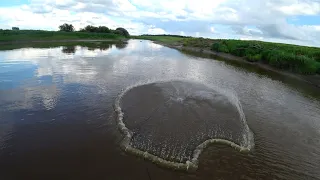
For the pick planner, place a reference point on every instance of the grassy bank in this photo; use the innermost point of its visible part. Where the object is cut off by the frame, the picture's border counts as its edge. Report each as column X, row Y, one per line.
column 33, row 35
column 161, row 38
column 298, row 59
column 102, row 45
column 293, row 58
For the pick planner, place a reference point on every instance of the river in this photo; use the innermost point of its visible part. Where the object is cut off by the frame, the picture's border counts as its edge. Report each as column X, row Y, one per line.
column 65, row 110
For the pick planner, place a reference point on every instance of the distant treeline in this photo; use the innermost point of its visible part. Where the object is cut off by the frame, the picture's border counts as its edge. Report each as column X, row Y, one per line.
column 40, row 35
column 95, row 29
column 104, row 29
column 66, row 31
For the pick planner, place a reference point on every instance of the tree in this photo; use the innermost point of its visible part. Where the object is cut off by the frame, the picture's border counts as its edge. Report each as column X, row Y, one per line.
column 90, row 28
column 15, row 28
column 122, row 31
column 100, row 29
column 66, row 27
column 103, row 29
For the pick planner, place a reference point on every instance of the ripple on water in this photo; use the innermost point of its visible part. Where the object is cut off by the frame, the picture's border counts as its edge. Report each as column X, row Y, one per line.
column 171, row 122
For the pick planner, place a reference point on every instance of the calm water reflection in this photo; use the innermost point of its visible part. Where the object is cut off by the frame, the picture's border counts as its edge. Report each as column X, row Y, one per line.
column 57, row 117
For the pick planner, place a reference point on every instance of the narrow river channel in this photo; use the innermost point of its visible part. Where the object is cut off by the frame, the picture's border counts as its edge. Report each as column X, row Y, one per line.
column 64, row 113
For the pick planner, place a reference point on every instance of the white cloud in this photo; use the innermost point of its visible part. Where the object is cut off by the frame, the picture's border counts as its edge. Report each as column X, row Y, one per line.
column 301, row 8
column 249, row 18
column 156, row 31
column 212, row 29
column 317, row 28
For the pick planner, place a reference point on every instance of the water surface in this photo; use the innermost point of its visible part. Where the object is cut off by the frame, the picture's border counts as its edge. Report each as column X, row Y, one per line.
column 57, row 117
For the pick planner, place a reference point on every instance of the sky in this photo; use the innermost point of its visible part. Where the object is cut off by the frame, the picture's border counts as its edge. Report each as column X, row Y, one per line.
column 287, row 21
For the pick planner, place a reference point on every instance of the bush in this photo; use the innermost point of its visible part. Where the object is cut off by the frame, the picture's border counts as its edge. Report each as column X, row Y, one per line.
column 316, row 56
column 300, row 64
column 238, row 49
column 215, row 46
column 223, row 48
column 305, row 60
column 306, row 65
column 254, row 58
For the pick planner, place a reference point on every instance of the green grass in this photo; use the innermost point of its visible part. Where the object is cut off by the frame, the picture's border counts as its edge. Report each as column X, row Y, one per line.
column 294, row 58
column 298, row 59
column 164, row 39
column 29, row 35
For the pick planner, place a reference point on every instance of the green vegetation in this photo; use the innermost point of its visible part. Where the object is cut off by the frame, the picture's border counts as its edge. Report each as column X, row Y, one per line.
column 66, row 27
column 122, row 31
column 104, row 29
column 15, row 28
column 32, row 35
column 66, row 33
column 161, row 38
column 297, row 59
column 100, row 29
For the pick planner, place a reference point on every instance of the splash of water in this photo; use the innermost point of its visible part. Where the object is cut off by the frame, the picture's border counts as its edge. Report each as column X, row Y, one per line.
column 180, row 157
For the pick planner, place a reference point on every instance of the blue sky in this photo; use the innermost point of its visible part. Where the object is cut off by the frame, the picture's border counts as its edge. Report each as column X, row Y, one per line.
column 6, row 3
column 289, row 21
column 305, row 20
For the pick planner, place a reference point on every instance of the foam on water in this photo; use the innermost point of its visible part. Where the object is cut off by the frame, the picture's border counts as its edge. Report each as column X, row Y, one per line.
column 180, row 157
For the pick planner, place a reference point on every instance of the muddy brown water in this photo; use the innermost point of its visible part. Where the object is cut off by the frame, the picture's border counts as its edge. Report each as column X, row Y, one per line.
column 57, row 116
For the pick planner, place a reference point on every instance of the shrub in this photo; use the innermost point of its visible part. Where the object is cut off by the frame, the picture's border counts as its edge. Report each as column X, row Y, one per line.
column 254, row 58
column 215, row 46
column 220, row 47
column 316, row 55
column 223, row 48
column 306, row 65
column 305, row 60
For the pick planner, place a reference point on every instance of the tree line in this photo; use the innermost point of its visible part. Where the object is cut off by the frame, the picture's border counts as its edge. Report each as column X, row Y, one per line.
column 93, row 29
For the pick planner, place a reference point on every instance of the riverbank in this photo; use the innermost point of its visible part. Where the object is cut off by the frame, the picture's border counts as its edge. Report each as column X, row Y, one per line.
column 204, row 46
column 8, row 36
column 56, row 43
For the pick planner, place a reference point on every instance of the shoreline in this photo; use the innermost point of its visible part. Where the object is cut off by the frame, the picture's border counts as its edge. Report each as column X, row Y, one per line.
column 64, row 40
column 311, row 79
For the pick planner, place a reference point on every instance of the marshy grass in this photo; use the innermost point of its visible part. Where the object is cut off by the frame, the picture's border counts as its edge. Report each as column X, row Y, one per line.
column 161, row 38
column 294, row 58
column 298, row 59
